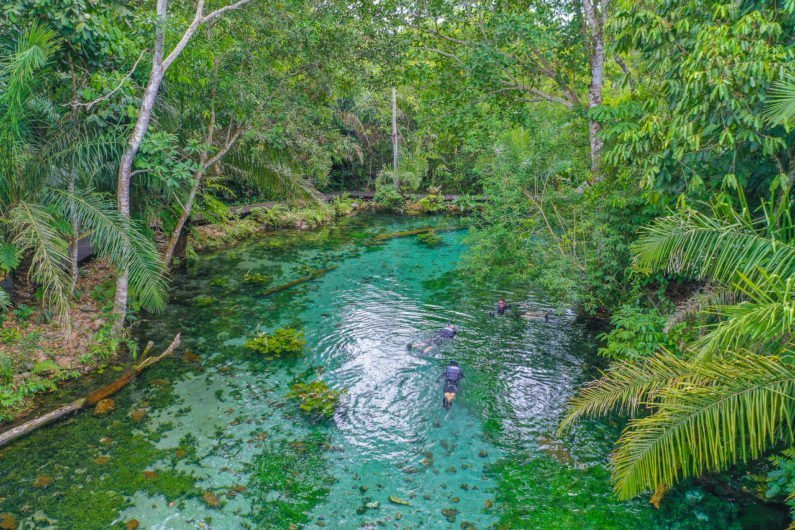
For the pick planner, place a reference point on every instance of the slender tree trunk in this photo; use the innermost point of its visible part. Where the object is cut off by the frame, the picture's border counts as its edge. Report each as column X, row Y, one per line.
column 168, row 255
column 75, row 250
column 160, row 64
column 596, row 22
column 395, row 138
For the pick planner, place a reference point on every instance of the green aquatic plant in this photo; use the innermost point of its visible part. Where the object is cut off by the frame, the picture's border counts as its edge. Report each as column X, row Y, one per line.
column 284, row 342
column 430, row 239
column 316, row 399
column 204, row 300
column 257, row 278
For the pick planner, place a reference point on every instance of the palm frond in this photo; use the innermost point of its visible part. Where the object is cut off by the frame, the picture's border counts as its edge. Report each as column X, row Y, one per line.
column 626, row 387
column 734, row 412
column 121, row 241
column 707, row 297
column 781, row 102
column 33, row 230
column 764, row 320
column 702, row 247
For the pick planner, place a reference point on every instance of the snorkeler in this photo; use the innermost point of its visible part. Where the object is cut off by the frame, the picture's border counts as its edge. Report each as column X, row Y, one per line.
column 502, row 307
column 537, row 315
column 452, row 382
column 444, row 334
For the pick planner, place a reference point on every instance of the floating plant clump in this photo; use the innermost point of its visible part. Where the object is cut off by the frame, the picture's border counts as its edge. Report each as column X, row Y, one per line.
column 316, row 399
column 284, row 342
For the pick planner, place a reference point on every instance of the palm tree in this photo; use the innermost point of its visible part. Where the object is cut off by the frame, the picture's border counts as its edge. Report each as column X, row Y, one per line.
column 729, row 396
column 42, row 210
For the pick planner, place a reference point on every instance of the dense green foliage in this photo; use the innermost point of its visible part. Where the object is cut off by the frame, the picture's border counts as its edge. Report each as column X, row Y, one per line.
column 663, row 203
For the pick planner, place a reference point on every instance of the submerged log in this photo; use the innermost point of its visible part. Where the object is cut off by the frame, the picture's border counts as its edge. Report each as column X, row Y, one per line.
column 407, row 233
column 92, row 399
column 308, row 278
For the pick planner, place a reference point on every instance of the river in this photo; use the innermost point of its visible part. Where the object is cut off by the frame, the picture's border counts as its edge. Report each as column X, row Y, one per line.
column 211, row 440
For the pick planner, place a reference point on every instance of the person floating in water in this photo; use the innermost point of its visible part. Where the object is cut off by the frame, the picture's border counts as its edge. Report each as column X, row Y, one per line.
column 502, row 307
column 537, row 315
column 453, row 375
column 441, row 336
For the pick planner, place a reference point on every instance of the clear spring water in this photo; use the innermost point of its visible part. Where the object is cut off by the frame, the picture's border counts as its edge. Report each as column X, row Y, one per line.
column 215, row 443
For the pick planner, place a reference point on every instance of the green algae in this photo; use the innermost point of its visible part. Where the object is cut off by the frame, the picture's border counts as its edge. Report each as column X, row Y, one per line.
column 290, row 479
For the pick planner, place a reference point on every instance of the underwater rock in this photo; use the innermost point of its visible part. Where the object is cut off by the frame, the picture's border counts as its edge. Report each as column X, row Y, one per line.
column 8, row 521
column 104, row 406
column 465, row 525
column 102, row 460
column 451, row 469
column 132, row 524
column 42, row 482
column 180, row 453
column 138, row 415
column 450, row 514
column 239, row 488
column 151, row 475
column 483, row 454
column 372, row 505
column 489, row 504
column 363, row 489
column 190, row 357
column 211, row 499
column 456, row 499
column 464, row 486
column 398, row 500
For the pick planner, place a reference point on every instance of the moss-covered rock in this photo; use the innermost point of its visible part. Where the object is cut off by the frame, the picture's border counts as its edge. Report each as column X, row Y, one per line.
column 284, row 342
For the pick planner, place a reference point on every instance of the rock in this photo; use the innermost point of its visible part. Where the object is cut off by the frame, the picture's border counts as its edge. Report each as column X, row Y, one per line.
column 151, row 475
column 464, row 486
column 483, row 454
column 190, row 357
column 466, row 525
column 211, row 499
column 138, row 415
column 180, row 453
column 132, row 524
column 86, row 308
column 451, row 469
column 450, row 514
column 104, row 406
column 363, row 489
column 101, row 460
column 489, row 504
column 42, row 482
column 372, row 505
column 398, row 500
column 456, row 499
column 8, row 521
column 105, row 440
column 239, row 488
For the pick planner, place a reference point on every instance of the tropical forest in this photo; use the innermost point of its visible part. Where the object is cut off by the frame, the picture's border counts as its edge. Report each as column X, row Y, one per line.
column 409, row 264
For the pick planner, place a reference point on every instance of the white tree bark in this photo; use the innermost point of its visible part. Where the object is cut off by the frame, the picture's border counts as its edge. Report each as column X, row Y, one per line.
column 596, row 23
column 395, row 138
column 160, row 64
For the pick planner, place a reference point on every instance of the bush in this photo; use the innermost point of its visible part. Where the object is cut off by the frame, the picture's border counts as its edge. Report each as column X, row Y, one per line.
column 636, row 333
column 434, row 202
column 430, row 239
column 284, row 342
column 388, row 197
column 316, row 399
column 343, row 205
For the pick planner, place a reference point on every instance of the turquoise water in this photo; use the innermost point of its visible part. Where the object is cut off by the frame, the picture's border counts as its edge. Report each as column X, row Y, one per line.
column 222, row 446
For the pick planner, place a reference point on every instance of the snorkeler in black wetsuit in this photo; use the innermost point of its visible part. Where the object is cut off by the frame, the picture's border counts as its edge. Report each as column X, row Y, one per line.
column 502, row 307
column 452, row 383
column 440, row 337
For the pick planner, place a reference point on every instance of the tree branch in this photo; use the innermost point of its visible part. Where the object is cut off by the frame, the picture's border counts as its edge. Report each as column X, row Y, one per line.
column 75, row 104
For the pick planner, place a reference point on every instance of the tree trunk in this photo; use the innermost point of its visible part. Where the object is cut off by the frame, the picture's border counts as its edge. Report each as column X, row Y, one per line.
column 596, row 22
column 160, row 64
column 395, row 139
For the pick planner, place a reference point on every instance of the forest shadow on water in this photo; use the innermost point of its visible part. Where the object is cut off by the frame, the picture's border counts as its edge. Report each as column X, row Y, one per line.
column 210, row 439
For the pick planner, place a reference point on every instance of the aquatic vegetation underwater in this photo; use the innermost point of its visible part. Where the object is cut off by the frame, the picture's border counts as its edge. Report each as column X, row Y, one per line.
column 216, row 437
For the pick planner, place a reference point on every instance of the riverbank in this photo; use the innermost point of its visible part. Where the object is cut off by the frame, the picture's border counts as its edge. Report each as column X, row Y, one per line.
column 35, row 357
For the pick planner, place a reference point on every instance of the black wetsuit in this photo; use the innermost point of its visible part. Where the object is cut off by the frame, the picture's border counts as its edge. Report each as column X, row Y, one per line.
column 452, row 381
column 443, row 335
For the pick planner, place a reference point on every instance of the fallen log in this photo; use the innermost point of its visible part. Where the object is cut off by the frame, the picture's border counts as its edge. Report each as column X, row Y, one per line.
column 92, row 399
column 308, row 278
column 417, row 231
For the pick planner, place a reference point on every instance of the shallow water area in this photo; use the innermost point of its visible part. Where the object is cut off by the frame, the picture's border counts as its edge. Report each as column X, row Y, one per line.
column 212, row 440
